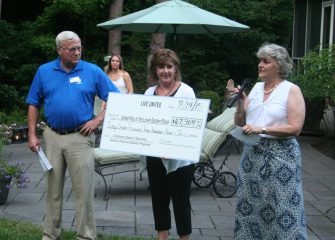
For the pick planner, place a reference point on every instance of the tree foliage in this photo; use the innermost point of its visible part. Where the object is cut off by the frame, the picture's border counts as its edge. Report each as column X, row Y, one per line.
column 207, row 61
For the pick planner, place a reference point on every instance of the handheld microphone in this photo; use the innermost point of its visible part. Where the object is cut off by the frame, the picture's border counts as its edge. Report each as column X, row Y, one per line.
column 237, row 95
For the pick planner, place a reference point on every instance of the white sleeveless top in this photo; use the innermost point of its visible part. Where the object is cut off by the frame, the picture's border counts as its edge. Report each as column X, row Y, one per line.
column 121, row 85
column 273, row 111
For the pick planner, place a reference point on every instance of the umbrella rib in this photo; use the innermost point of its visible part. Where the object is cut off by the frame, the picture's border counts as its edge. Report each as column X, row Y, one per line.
column 157, row 29
column 208, row 30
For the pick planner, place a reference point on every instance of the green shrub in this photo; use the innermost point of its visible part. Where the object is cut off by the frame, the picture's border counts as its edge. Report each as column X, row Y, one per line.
column 8, row 97
column 18, row 117
column 315, row 76
column 215, row 105
column 315, row 73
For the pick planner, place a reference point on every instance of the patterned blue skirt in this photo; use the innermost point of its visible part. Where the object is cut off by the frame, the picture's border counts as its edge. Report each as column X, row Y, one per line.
column 270, row 203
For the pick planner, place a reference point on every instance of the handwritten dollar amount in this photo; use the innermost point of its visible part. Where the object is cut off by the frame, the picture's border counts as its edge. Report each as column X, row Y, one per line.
column 186, row 122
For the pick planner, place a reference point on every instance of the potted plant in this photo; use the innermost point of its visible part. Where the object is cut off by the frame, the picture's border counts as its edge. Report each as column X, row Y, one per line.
column 11, row 174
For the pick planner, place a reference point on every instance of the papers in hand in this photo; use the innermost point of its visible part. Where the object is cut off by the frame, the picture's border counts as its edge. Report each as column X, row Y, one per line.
column 43, row 160
column 251, row 139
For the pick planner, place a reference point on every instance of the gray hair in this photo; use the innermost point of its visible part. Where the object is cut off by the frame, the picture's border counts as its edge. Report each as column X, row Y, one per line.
column 280, row 55
column 65, row 35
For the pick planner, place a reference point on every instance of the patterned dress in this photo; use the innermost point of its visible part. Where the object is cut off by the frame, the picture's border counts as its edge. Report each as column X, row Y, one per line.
column 270, row 203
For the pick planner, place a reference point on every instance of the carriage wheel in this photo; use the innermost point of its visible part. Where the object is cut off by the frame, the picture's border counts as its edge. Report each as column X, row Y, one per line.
column 225, row 184
column 203, row 175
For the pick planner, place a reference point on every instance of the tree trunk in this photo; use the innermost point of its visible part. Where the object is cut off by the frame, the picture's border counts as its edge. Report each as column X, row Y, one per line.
column 0, row 8
column 114, row 36
column 157, row 42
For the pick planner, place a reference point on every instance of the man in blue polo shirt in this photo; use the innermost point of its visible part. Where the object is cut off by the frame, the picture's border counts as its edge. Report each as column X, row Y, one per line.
column 67, row 87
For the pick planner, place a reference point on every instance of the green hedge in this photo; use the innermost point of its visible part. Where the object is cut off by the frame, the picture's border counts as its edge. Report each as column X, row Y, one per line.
column 215, row 105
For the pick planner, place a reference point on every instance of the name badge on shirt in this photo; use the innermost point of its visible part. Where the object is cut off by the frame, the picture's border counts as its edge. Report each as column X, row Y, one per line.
column 76, row 80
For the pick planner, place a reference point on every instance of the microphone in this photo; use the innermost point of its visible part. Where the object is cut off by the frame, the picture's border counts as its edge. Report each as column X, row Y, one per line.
column 237, row 95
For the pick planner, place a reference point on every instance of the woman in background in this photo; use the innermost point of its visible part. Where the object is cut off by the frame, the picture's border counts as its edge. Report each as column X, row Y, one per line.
column 118, row 75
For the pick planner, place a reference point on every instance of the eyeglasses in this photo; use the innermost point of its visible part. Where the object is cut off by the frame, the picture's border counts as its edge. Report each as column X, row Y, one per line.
column 73, row 50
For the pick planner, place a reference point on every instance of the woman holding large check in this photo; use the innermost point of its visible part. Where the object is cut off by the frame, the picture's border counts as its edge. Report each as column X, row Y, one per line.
column 169, row 178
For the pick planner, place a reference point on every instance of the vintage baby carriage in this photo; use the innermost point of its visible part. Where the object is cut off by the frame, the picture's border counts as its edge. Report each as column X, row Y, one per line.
column 209, row 171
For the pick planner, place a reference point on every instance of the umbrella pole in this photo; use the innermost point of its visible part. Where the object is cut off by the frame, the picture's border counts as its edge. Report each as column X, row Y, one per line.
column 175, row 31
column 174, row 42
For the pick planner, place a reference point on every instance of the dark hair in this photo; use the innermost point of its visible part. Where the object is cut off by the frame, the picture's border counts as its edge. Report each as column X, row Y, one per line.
column 161, row 57
column 109, row 68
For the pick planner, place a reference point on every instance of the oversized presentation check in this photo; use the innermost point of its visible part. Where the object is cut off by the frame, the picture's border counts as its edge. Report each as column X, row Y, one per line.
column 156, row 126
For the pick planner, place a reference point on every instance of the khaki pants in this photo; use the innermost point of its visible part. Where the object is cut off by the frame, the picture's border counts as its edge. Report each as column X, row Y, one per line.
column 75, row 153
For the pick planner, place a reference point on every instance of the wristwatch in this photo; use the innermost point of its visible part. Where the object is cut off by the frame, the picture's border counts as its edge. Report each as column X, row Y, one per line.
column 263, row 130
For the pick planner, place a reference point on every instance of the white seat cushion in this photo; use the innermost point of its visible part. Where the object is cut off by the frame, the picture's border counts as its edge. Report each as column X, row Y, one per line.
column 104, row 156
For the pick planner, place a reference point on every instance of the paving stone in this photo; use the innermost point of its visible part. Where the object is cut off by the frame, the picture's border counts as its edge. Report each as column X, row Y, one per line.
column 145, row 217
column 202, row 221
column 115, row 218
column 331, row 213
column 220, row 232
column 322, row 227
column 128, row 209
column 119, row 231
column 323, row 206
column 312, row 211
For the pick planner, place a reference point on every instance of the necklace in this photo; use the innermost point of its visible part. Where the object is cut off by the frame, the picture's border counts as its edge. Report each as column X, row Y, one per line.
column 168, row 92
column 271, row 90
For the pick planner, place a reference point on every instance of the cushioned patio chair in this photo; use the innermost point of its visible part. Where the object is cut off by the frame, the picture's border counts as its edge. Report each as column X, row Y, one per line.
column 111, row 160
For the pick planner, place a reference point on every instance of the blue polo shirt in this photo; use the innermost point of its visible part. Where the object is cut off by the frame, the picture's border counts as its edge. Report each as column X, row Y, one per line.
column 68, row 97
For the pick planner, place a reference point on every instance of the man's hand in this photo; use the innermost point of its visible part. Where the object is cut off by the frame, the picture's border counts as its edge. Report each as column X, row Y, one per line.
column 34, row 143
column 90, row 127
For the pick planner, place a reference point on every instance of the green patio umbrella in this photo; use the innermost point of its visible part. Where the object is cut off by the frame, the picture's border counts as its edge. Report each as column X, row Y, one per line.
column 174, row 16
